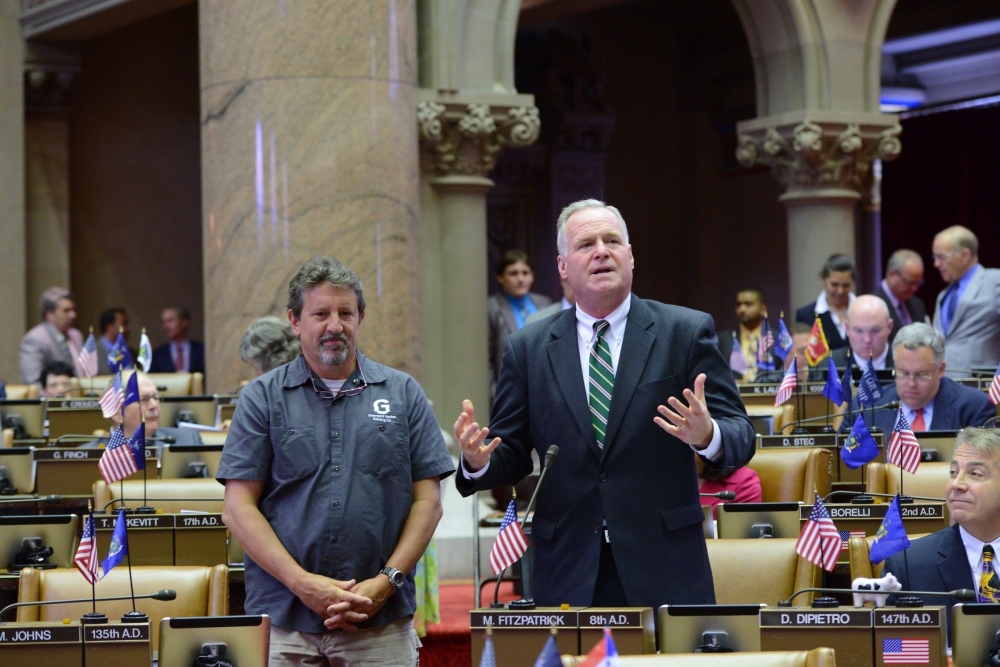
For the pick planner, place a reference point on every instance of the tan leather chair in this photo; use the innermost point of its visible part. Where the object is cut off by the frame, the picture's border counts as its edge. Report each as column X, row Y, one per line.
column 164, row 488
column 201, row 591
column 859, row 552
column 791, row 475
column 755, row 571
column 170, row 384
column 929, row 481
column 818, row 657
column 783, row 414
column 21, row 392
column 7, row 438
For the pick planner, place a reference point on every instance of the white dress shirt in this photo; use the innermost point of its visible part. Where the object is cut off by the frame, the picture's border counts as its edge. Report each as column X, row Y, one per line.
column 822, row 305
column 974, row 553
column 615, row 335
column 878, row 362
column 911, row 414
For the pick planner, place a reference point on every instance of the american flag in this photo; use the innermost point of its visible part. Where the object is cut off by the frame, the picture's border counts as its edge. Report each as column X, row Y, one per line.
column 819, row 542
column 737, row 362
column 788, row 384
column 846, row 535
column 489, row 657
column 906, row 651
column 511, row 542
column 995, row 388
column 113, row 398
column 86, row 554
column 116, row 462
column 87, row 361
column 765, row 342
column 904, row 450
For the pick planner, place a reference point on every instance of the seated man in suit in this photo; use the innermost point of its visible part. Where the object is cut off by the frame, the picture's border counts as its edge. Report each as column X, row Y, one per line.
column 868, row 329
column 964, row 555
column 751, row 309
column 929, row 400
column 55, row 380
column 831, row 305
column 180, row 354
column 53, row 339
column 904, row 275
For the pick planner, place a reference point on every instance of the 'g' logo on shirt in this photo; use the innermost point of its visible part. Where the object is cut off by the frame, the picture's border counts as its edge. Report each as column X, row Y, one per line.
column 381, row 406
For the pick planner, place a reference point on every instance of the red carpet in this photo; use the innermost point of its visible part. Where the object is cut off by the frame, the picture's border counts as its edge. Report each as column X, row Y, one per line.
column 448, row 643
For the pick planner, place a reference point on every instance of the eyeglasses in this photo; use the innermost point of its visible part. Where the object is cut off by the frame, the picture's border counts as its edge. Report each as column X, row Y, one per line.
column 911, row 283
column 145, row 400
column 943, row 256
column 353, row 391
column 920, row 378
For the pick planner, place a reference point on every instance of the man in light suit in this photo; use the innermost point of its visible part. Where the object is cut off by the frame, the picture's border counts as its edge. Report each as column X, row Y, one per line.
column 968, row 311
column 618, row 520
column 54, row 339
column 904, row 274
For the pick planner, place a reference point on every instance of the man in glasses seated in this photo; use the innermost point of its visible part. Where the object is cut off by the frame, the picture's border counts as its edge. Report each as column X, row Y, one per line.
column 929, row 400
column 332, row 469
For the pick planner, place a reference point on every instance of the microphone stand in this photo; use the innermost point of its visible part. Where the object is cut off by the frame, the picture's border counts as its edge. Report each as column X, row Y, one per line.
column 164, row 595
column 908, row 501
column 961, row 594
column 92, row 617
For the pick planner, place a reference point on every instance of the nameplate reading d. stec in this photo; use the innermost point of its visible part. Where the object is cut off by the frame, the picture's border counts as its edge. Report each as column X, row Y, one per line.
column 846, row 511
column 77, row 454
column 782, row 441
column 136, row 521
column 39, row 633
column 816, row 618
column 504, row 619
column 116, row 633
column 199, row 521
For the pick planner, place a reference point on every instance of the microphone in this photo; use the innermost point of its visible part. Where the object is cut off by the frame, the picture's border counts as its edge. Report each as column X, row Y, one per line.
column 880, row 495
column 962, row 594
column 721, row 495
column 54, row 500
column 165, row 439
column 892, row 405
column 165, row 595
column 76, row 437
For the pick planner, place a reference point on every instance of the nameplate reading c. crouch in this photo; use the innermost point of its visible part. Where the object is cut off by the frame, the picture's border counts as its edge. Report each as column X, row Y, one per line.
column 840, row 617
column 39, row 634
column 509, row 619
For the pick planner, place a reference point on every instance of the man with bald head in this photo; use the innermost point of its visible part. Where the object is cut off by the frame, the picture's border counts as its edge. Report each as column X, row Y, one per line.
column 968, row 311
column 868, row 329
column 904, row 274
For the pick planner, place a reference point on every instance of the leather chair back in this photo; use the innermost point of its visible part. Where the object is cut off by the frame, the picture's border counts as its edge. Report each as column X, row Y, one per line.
column 21, row 392
column 168, row 384
column 929, row 481
column 201, row 591
column 818, row 657
column 760, row 571
column 859, row 552
column 783, row 414
column 790, row 475
column 7, row 438
column 164, row 488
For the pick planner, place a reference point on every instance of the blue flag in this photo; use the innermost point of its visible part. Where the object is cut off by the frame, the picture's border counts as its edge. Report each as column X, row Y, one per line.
column 549, row 657
column 870, row 390
column 137, row 446
column 119, row 545
column 131, row 391
column 784, row 343
column 119, row 358
column 891, row 536
column 860, row 447
column 846, row 384
column 833, row 389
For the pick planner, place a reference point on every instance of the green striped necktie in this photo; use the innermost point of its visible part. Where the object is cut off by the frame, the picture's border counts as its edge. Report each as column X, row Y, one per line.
column 602, row 382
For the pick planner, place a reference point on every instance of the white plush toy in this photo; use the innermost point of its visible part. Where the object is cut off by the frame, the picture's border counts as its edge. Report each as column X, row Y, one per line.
column 874, row 590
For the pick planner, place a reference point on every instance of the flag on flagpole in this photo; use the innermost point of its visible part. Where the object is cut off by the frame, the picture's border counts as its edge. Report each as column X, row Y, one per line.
column 891, row 537
column 117, row 462
column 131, row 393
column 86, row 553
column 737, row 362
column 817, row 349
column 145, row 358
column 549, row 657
column 846, row 383
column 846, row 535
column 765, row 343
column 489, row 657
column 604, row 653
column 113, row 398
column 860, row 447
column 819, row 542
column 833, row 389
column 788, row 384
column 511, row 542
column 119, row 545
column 119, row 358
column 870, row 389
column 995, row 388
column 87, row 361
column 783, row 345
column 137, row 447
column 904, row 450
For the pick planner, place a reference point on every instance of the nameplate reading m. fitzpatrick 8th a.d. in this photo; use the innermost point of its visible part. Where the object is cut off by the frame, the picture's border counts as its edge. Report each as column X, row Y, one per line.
column 199, row 521
column 116, row 633
column 501, row 619
column 846, row 511
column 784, row 441
column 611, row 619
column 136, row 521
column 39, row 634
column 816, row 618
column 893, row 617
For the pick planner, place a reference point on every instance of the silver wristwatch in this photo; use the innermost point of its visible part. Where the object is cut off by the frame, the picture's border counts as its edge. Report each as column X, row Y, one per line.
column 396, row 578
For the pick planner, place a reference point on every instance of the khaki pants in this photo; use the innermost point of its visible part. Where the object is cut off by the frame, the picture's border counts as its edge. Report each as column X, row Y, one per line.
column 393, row 644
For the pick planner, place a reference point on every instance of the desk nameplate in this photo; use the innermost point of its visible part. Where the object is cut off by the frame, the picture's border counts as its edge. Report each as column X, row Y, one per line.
column 27, row 634
column 790, row 441
column 199, row 521
column 867, row 512
column 122, row 632
column 889, row 617
column 137, row 521
column 828, row 619
column 520, row 620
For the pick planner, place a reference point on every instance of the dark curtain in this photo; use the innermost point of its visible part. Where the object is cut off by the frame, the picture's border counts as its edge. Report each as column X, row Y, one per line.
column 948, row 174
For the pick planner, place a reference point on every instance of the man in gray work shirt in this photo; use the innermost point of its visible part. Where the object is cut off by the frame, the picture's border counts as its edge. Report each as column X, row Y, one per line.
column 332, row 469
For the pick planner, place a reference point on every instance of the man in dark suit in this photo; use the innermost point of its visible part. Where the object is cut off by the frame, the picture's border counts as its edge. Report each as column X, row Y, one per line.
column 929, row 400
column 868, row 331
column 751, row 311
column 180, row 354
column 618, row 519
column 954, row 557
column 831, row 306
column 904, row 274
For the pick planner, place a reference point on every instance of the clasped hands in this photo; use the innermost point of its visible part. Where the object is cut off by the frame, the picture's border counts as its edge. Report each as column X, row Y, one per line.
column 343, row 604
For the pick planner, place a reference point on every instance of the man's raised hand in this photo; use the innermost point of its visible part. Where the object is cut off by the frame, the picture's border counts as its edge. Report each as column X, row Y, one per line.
column 471, row 439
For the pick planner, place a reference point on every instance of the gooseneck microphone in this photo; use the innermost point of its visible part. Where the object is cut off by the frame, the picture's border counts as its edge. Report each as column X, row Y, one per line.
column 880, row 495
column 962, row 594
column 53, row 499
column 721, row 495
column 892, row 405
column 164, row 595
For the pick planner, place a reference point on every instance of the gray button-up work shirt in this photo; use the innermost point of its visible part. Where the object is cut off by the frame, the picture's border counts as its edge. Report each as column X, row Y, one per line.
column 338, row 478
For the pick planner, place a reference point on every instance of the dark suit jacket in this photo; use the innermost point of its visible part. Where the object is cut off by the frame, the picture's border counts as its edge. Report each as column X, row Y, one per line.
column 726, row 348
column 807, row 315
column 839, row 357
column 643, row 482
column 936, row 562
column 955, row 406
column 502, row 324
column 164, row 363
column 916, row 307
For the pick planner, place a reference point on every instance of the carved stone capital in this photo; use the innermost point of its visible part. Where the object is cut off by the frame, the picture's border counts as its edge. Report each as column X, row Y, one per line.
column 813, row 151
column 464, row 137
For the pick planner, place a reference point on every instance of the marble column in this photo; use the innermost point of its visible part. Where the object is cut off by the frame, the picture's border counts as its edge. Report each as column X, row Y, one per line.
column 14, row 313
column 308, row 148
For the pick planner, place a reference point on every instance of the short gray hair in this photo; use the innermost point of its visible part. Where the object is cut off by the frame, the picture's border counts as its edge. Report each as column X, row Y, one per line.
column 961, row 237
column 920, row 334
column 985, row 440
column 51, row 297
column 317, row 271
column 561, row 241
column 269, row 342
column 899, row 258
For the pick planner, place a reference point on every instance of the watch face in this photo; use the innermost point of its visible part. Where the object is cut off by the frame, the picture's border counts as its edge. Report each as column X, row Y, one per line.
column 398, row 579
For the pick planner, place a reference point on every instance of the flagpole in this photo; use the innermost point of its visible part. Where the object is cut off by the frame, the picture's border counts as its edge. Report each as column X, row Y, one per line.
column 496, row 604
column 132, row 616
column 93, row 617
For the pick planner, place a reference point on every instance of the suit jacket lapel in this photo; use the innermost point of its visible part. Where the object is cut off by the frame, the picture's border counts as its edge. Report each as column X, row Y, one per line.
column 893, row 314
column 631, row 363
column 954, row 566
column 564, row 356
column 508, row 313
column 944, row 408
